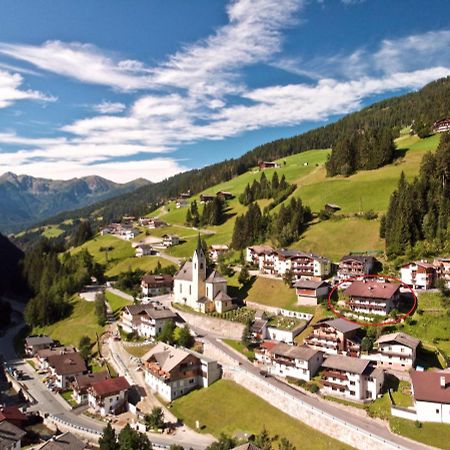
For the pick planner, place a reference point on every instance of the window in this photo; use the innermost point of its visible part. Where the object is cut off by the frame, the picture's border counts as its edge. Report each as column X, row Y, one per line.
column 352, row 383
column 181, row 288
column 201, row 266
column 190, row 289
column 437, row 411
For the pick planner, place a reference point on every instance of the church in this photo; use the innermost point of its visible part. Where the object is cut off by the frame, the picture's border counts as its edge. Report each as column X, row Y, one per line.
column 201, row 288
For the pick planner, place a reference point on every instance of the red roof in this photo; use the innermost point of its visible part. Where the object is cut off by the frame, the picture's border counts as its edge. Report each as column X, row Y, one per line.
column 427, row 386
column 12, row 413
column 269, row 345
column 372, row 289
column 112, row 386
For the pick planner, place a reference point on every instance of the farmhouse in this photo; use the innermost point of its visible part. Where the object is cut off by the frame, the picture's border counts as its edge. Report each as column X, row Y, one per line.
column 397, row 350
column 294, row 361
column 145, row 250
column 65, row 367
column 261, row 256
column 201, row 288
column 441, row 126
column 372, row 297
column 35, row 343
column 354, row 378
column 355, row 266
column 216, row 250
column 268, row 165
column 145, row 320
column 170, row 240
column 224, row 195
column 109, row 396
column 123, row 231
column 172, row 372
column 335, row 337
column 156, row 284
column 83, row 382
column 181, row 203
column 152, row 223
column 431, row 391
column 205, row 198
column 310, row 291
column 43, row 355
column 418, row 274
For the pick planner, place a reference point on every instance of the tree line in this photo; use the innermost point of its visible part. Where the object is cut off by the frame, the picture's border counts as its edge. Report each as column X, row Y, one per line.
column 53, row 278
column 284, row 227
column 265, row 189
column 419, row 210
column 213, row 213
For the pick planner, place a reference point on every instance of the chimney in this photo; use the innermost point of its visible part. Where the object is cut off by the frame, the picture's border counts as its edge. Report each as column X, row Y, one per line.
column 442, row 381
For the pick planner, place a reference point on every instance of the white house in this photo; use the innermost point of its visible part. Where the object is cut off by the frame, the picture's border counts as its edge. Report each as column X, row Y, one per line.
column 258, row 255
column 43, row 355
column 83, row 382
column 65, row 367
column 397, row 351
column 353, row 378
column 418, row 275
column 216, row 250
column 109, row 396
column 309, row 292
column 302, row 265
column 200, row 288
column 442, row 266
column 169, row 240
column 294, row 361
column 431, row 391
column 145, row 250
column 172, row 372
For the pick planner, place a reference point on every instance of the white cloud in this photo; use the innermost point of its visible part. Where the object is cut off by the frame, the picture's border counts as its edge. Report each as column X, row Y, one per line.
column 106, row 107
column 10, row 91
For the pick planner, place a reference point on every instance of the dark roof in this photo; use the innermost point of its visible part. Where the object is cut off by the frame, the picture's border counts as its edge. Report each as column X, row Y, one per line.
column 46, row 352
column 310, row 284
column 360, row 258
column 67, row 364
column 346, row 363
column 372, row 289
column 12, row 413
column 185, row 273
column 342, row 325
column 66, row 441
column 111, row 386
column 157, row 280
column 221, row 297
column 293, row 253
column 215, row 277
column 294, row 352
column 38, row 340
column 84, row 381
column 427, row 386
column 258, row 325
column 9, row 435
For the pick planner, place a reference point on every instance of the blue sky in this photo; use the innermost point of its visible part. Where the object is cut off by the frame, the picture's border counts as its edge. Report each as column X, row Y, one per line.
column 147, row 88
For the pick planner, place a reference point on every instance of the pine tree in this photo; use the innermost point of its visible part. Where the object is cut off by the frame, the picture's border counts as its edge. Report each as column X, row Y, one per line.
column 108, row 440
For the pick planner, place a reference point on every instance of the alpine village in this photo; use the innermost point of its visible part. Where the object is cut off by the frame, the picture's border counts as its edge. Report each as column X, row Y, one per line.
column 295, row 297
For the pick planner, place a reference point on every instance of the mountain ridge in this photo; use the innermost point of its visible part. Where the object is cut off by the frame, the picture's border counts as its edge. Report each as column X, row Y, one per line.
column 26, row 200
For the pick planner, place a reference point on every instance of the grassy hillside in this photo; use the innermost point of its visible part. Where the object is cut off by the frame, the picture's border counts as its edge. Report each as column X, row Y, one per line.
column 242, row 411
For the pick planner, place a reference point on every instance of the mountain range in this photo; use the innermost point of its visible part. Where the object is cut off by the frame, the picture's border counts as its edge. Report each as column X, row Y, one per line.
column 25, row 200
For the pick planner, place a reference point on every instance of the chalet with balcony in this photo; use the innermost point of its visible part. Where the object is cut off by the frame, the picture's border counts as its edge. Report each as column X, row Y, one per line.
column 172, row 372
column 109, row 396
column 83, row 382
column 372, row 297
column 43, row 355
column 146, row 320
column 309, row 292
column 65, row 367
column 397, row 351
column 294, row 361
column 356, row 266
column 442, row 266
column 261, row 256
column 303, row 265
column 441, row 126
column 169, row 240
column 353, row 378
column 431, row 391
column 335, row 337
column 152, row 285
column 418, row 275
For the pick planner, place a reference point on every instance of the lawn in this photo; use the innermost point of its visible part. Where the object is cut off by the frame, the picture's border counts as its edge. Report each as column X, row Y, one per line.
column 401, row 393
column 238, row 346
column 52, row 231
column 107, row 249
column 138, row 351
column 240, row 410
column 267, row 291
column 68, row 397
column 145, row 263
column 115, row 302
column 435, row 434
column 81, row 322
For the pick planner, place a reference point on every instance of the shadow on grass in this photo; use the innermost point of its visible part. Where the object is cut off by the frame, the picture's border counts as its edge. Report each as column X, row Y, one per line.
column 241, row 293
column 428, row 358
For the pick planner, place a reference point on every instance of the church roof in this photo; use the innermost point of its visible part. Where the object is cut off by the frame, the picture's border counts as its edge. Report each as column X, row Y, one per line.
column 222, row 297
column 215, row 277
column 185, row 273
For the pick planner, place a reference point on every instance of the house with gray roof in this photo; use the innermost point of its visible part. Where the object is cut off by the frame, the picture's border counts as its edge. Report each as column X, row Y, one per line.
column 10, row 436
column 397, row 351
column 199, row 287
column 65, row 441
column 35, row 343
column 353, row 378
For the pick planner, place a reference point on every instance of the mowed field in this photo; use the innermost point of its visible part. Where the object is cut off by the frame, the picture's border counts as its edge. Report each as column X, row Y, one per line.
column 242, row 411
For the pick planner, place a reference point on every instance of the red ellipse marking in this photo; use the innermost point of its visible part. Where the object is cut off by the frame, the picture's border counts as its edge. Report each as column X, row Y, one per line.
column 380, row 324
